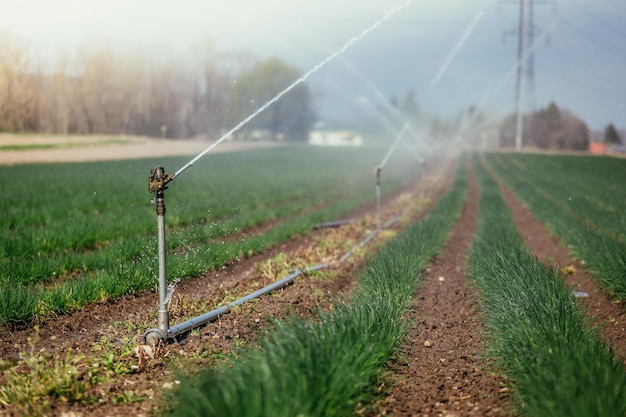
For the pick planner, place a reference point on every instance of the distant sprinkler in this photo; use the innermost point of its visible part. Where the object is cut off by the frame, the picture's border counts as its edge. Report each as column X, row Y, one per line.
column 377, row 171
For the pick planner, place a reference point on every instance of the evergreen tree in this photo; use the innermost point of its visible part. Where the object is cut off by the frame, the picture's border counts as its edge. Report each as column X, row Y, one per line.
column 611, row 136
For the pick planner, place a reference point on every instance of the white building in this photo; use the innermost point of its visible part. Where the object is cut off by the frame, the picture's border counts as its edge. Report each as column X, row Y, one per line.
column 335, row 138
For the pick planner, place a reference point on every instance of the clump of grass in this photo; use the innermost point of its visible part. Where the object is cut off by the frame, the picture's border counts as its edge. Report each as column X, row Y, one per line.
column 538, row 335
column 41, row 379
column 18, row 304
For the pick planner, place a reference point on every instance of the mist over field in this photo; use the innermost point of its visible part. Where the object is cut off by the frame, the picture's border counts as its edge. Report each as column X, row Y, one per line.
column 199, row 69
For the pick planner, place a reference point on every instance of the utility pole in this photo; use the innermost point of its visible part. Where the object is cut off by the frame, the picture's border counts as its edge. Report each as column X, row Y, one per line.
column 519, row 90
column 519, row 120
column 531, row 32
column 530, row 66
column 526, row 31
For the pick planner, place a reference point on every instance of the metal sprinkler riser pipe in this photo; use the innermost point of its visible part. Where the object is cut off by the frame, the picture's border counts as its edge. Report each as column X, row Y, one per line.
column 157, row 184
column 163, row 315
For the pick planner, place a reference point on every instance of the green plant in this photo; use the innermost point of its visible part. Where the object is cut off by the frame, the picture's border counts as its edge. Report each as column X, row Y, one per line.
column 40, row 376
column 538, row 336
column 329, row 366
column 128, row 397
column 578, row 200
column 74, row 245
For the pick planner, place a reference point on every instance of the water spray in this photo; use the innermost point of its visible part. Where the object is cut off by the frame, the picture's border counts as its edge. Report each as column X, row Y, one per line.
column 159, row 179
column 423, row 144
column 350, row 42
column 457, row 48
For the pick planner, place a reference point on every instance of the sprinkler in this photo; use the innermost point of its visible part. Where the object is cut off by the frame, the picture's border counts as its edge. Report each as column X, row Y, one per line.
column 157, row 185
column 159, row 179
column 379, row 168
column 377, row 171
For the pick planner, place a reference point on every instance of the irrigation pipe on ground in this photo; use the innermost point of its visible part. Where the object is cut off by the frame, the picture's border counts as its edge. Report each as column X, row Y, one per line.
column 155, row 335
column 333, row 223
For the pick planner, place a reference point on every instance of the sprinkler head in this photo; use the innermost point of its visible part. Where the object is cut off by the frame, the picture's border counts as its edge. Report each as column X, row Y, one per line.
column 158, row 179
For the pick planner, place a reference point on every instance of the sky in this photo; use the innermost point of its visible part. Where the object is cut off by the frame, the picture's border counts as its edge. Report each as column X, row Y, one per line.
column 453, row 53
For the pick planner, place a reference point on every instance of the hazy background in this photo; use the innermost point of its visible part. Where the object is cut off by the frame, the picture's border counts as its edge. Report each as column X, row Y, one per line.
column 579, row 57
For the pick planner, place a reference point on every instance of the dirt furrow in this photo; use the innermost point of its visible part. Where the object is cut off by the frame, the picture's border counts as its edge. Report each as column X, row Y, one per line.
column 439, row 370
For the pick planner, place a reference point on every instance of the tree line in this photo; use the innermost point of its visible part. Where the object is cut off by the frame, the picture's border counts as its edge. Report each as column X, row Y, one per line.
column 548, row 128
column 101, row 90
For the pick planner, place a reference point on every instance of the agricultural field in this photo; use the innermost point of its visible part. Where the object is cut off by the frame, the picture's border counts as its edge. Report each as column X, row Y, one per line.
column 582, row 201
column 537, row 334
column 464, row 306
column 79, row 233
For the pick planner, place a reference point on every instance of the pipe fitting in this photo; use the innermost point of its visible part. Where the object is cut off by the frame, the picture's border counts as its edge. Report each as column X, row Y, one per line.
column 154, row 336
column 163, row 320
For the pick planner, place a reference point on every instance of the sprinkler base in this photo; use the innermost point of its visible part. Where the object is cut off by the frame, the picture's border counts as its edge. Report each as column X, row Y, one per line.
column 154, row 336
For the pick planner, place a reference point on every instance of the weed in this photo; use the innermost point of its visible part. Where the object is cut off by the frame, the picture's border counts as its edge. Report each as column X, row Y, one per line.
column 128, row 397
column 184, row 306
column 39, row 377
column 275, row 267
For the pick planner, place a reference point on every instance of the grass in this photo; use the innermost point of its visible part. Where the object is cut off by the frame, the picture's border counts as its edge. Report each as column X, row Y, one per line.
column 79, row 233
column 39, row 377
column 328, row 366
column 590, row 223
column 538, row 335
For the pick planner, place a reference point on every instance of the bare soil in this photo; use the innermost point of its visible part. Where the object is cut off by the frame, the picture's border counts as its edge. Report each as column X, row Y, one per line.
column 439, row 370
column 53, row 149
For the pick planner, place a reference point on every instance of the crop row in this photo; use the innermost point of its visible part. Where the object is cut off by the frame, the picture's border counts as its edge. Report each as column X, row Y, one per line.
column 75, row 208
column 581, row 206
column 326, row 367
column 537, row 333
column 577, row 186
column 87, row 231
